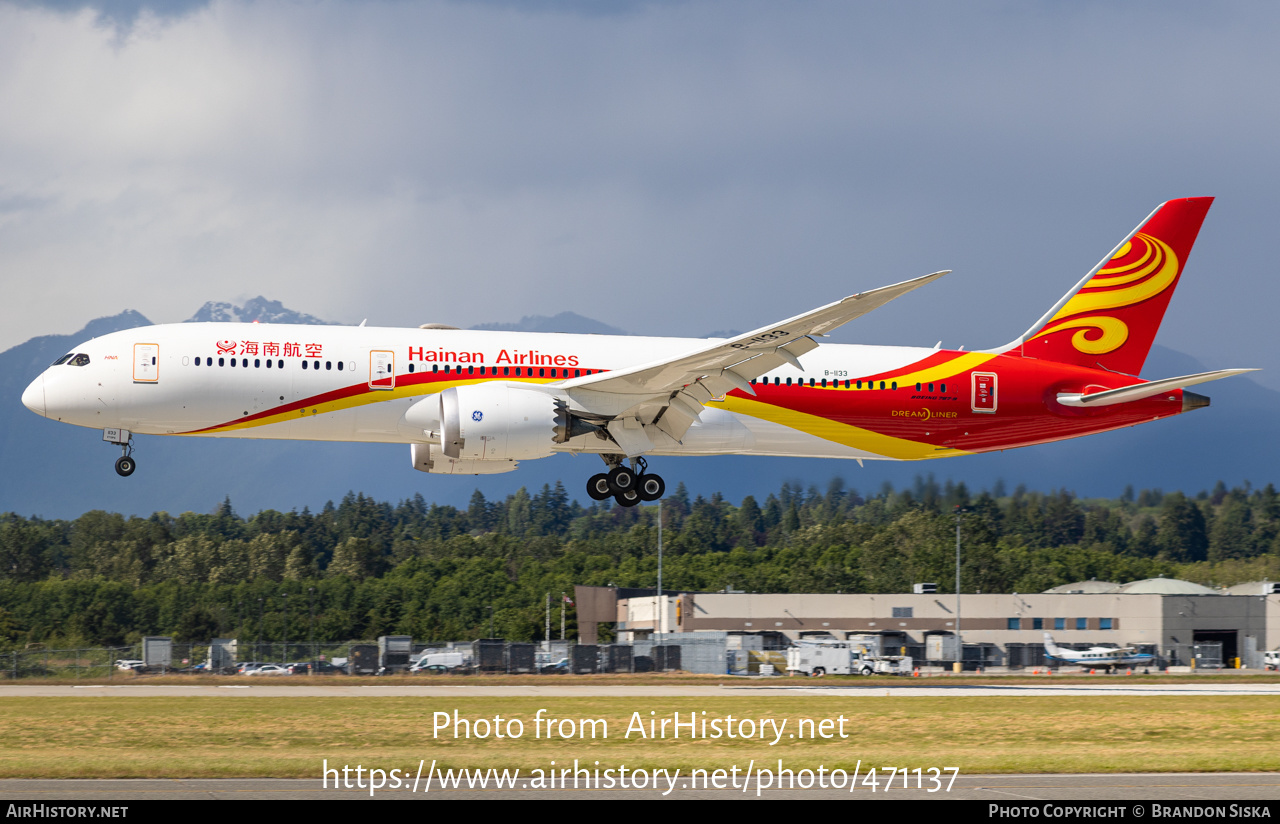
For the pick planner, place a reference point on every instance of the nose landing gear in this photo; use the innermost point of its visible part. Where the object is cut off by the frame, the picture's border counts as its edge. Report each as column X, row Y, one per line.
column 627, row 485
column 125, row 464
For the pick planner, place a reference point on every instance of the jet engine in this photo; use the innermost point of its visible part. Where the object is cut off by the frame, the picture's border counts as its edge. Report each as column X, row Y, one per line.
column 495, row 422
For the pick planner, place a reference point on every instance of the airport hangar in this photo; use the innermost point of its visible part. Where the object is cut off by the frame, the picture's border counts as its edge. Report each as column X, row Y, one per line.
column 1179, row 621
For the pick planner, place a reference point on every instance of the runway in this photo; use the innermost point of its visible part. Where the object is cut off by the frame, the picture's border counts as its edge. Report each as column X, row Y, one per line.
column 806, row 687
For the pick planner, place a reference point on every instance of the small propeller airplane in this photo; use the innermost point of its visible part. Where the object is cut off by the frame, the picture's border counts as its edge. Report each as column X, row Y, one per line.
column 478, row 402
column 1098, row 657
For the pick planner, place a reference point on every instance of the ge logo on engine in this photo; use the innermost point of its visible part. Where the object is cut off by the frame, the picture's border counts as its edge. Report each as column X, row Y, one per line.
column 477, row 416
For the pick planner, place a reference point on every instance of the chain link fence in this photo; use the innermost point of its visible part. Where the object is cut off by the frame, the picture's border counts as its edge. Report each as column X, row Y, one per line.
column 712, row 653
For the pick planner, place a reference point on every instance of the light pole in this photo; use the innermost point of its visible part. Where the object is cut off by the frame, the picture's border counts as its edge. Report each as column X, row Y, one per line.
column 284, row 600
column 661, row 601
column 960, row 512
column 312, row 628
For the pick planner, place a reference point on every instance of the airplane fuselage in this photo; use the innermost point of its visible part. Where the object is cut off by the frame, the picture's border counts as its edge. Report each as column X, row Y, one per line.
column 330, row 383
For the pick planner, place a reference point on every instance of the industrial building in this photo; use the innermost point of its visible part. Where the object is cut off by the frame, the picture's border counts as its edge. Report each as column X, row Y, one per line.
column 1182, row 623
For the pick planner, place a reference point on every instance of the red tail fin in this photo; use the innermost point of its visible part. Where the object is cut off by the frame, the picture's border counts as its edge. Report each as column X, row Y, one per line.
column 1110, row 319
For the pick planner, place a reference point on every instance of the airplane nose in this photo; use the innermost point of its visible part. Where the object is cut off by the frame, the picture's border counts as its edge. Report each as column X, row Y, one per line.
column 33, row 397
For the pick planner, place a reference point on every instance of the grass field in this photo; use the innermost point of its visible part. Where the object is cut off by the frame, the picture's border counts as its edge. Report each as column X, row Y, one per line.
column 97, row 737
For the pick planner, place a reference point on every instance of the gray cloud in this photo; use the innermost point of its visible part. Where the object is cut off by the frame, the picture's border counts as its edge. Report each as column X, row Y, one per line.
column 670, row 168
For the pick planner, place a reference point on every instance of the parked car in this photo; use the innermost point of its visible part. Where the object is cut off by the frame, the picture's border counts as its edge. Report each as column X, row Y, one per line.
column 268, row 669
column 130, row 664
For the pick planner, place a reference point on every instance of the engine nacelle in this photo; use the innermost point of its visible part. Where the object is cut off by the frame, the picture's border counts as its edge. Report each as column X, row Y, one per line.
column 499, row 422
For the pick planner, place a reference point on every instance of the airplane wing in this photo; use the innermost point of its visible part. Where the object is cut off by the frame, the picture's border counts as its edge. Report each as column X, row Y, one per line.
column 669, row 394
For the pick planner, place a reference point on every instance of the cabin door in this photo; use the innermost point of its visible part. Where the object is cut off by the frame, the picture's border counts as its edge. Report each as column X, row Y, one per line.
column 146, row 362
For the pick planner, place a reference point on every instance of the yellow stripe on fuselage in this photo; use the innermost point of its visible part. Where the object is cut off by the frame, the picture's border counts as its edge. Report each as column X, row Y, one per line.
column 836, row 432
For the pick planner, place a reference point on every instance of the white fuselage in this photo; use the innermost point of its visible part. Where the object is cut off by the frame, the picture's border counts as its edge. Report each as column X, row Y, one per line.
column 334, row 383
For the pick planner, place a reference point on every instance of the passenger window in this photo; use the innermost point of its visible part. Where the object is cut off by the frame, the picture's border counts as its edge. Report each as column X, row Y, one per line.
column 506, row 370
column 411, row 368
column 328, row 366
column 944, row 388
column 894, row 385
column 882, row 385
column 577, row 373
column 859, row 384
column 197, row 361
column 788, row 381
column 222, row 362
column 270, row 363
column 339, row 366
column 257, row 364
column 280, row 364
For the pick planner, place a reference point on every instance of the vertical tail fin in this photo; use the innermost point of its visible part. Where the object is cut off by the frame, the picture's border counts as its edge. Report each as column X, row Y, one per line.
column 1110, row 318
column 1050, row 647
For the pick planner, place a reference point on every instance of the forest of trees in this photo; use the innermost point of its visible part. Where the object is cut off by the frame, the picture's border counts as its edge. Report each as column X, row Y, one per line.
column 363, row 568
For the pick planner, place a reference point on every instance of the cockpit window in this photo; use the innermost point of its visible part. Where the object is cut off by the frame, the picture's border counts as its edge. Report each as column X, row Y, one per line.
column 63, row 359
column 80, row 360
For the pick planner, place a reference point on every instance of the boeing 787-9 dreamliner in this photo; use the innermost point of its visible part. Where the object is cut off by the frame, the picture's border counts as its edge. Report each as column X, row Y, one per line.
column 476, row 402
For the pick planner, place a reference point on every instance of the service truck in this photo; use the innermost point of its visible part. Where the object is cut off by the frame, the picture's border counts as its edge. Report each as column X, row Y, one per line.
column 818, row 659
column 831, row 658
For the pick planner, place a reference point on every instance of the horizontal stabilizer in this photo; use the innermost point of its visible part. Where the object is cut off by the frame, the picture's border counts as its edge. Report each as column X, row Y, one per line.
column 1139, row 391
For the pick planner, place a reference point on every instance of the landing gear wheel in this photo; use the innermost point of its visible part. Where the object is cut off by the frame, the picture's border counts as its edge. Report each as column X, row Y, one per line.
column 652, row 487
column 125, row 466
column 621, row 479
column 629, row 497
column 598, row 487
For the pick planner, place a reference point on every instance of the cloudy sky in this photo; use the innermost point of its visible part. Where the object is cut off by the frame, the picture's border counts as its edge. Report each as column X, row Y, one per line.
column 664, row 167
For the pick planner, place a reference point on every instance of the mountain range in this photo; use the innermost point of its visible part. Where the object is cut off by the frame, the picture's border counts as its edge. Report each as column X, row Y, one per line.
column 60, row 471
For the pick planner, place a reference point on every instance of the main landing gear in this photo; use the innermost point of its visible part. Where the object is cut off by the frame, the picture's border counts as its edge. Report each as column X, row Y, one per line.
column 627, row 486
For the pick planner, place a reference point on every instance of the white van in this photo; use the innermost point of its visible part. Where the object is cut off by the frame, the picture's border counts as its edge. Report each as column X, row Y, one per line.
column 1271, row 659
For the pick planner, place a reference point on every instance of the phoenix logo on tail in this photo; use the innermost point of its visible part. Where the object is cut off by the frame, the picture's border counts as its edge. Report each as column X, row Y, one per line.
column 1110, row 319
